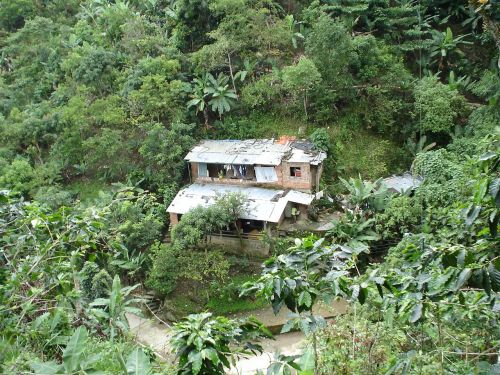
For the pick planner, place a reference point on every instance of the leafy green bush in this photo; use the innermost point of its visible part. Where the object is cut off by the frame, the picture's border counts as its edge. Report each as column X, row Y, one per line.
column 163, row 152
column 441, row 106
column 360, row 152
column 165, row 269
column 54, row 196
column 401, row 215
column 437, row 166
column 444, row 178
column 360, row 345
column 87, row 273
column 262, row 93
column 207, row 345
column 321, row 139
column 137, row 217
column 22, row 177
column 171, row 263
column 101, row 284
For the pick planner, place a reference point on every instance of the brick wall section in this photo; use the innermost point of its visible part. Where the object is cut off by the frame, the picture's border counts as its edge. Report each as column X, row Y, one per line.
column 174, row 219
column 279, row 173
column 300, row 183
column 194, row 171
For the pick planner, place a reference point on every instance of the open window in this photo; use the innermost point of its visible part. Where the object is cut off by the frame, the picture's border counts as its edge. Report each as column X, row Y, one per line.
column 295, row 172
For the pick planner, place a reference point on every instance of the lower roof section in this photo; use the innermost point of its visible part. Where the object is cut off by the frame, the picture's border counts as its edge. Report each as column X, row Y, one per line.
column 263, row 204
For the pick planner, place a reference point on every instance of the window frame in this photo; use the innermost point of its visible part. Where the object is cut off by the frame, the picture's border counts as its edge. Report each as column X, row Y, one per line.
column 295, row 169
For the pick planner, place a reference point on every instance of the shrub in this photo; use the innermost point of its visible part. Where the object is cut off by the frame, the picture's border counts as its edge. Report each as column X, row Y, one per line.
column 437, row 166
column 262, row 93
column 321, row 139
column 359, row 345
column 138, row 218
column 54, row 196
column 101, row 284
column 401, row 215
column 165, row 269
column 87, row 273
column 441, row 105
column 169, row 264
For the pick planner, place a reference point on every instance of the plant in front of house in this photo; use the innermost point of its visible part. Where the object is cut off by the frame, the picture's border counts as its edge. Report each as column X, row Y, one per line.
column 308, row 273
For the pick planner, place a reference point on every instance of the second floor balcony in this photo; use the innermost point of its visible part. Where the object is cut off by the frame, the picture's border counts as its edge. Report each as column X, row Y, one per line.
column 233, row 174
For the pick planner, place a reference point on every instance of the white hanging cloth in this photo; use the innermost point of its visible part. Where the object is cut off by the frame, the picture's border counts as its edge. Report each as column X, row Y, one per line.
column 266, row 174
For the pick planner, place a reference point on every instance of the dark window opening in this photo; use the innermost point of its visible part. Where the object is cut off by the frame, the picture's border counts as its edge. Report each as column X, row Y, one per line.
column 295, row 172
column 216, row 171
column 252, row 226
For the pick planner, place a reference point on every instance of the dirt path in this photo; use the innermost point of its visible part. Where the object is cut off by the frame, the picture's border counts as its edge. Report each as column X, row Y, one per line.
column 151, row 333
column 287, row 343
column 157, row 335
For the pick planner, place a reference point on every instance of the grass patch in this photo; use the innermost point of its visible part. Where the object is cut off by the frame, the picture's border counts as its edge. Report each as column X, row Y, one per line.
column 270, row 126
column 361, row 152
column 257, row 125
column 182, row 305
column 221, row 306
column 226, row 300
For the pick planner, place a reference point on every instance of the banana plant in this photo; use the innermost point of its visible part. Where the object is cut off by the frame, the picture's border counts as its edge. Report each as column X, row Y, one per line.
column 354, row 231
column 112, row 310
column 444, row 45
column 294, row 25
column 416, row 147
column 199, row 98
column 214, row 93
column 73, row 358
column 137, row 363
column 366, row 195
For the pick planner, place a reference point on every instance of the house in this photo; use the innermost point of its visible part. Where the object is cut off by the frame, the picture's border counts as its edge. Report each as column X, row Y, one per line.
column 278, row 177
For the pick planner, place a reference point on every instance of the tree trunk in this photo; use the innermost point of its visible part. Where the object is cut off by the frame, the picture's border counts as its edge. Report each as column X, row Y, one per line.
column 305, row 104
column 239, row 234
column 231, row 72
column 205, row 116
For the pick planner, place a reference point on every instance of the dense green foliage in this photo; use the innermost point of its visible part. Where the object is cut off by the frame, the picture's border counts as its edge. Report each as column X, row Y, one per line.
column 100, row 100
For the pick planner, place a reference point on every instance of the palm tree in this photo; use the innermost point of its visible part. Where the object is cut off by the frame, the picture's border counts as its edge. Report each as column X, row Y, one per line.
column 214, row 92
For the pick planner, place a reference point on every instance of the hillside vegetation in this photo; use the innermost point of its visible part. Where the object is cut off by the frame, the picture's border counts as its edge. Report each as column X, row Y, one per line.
column 100, row 100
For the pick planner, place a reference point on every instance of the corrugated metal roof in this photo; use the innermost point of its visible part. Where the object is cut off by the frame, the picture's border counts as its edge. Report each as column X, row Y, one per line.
column 299, row 197
column 263, row 204
column 254, row 152
column 301, row 156
column 403, row 182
